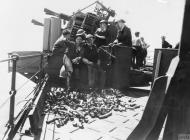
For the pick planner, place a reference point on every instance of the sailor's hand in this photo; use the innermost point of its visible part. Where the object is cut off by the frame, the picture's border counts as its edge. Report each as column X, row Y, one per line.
column 133, row 48
column 111, row 44
column 76, row 60
column 115, row 42
column 98, row 30
column 90, row 63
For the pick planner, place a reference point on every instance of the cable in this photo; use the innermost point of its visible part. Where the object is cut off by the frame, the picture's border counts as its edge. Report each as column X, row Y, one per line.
column 28, row 80
column 108, row 52
column 7, row 99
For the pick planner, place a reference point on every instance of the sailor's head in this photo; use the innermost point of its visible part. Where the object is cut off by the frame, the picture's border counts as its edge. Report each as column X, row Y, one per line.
column 137, row 34
column 103, row 24
column 80, row 32
column 120, row 24
column 66, row 34
column 142, row 38
column 89, row 39
column 163, row 38
column 80, row 36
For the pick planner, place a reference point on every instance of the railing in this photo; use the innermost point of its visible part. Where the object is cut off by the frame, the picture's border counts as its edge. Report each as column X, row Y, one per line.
column 14, row 58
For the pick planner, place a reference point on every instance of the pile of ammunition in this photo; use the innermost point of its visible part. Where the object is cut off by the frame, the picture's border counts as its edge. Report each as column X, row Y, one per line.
column 79, row 107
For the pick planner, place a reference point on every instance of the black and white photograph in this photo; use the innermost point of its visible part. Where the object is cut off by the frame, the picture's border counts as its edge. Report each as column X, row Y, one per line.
column 95, row 70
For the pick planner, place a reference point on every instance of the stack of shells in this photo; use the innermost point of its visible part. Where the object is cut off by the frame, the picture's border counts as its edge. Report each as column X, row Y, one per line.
column 80, row 107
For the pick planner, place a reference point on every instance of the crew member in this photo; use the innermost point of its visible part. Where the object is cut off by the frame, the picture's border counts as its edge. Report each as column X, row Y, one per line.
column 79, row 78
column 90, row 58
column 122, row 51
column 62, row 47
column 63, row 44
column 124, row 37
column 101, row 34
column 100, row 41
column 165, row 44
column 144, row 50
column 138, row 56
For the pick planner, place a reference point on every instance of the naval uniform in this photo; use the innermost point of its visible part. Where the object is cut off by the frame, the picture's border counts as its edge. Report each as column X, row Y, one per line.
column 122, row 63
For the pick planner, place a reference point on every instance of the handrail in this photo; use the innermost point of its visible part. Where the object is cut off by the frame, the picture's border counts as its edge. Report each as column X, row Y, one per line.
column 16, row 56
column 8, row 59
column 28, row 56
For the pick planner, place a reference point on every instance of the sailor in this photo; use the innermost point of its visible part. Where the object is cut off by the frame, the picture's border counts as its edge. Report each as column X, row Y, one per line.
column 90, row 58
column 144, row 50
column 165, row 44
column 62, row 45
column 124, row 37
column 100, row 40
column 137, row 54
column 79, row 78
column 101, row 34
column 121, row 50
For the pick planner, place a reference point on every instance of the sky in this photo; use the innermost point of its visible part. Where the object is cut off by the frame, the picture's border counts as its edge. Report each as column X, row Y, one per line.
column 153, row 18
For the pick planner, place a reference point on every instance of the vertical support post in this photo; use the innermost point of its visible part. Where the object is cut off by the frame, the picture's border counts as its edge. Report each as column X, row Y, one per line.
column 41, row 68
column 156, row 74
column 12, row 99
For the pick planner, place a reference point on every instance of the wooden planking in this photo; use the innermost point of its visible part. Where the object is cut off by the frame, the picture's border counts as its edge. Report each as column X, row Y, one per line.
column 116, row 127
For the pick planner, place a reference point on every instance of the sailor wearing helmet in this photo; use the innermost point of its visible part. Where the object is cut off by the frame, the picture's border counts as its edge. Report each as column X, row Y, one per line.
column 101, row 34
column 90, row 58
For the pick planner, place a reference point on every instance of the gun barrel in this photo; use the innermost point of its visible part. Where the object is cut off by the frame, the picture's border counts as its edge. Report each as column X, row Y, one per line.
column 60, row 15
column 35, row 22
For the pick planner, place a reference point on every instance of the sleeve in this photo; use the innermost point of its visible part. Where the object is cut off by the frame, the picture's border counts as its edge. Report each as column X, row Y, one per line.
column 56, row 46
column 127, row 35
column 82, row 52
column 96, row 53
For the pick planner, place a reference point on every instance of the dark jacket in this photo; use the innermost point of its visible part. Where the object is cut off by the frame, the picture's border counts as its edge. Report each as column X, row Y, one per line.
column 99, row 41
column 165, row 44
column 125, row 37
column 90, row 53
column 61, row 45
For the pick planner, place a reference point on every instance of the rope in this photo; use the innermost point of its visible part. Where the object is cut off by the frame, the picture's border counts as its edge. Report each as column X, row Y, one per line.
column 36, row 87
column 23, row 109
column 28, row 80
column 107, row 52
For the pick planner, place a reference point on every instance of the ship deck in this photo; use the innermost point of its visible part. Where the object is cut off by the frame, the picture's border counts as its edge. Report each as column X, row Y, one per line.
column 118, row 126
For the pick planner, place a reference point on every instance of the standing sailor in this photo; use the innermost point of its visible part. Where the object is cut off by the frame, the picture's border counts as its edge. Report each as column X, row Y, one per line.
column 122, row 51
column 101, row 35
column 124, row 37
column 79, row 79
column 138, row 56
column 90, row 58
column 63, row 46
